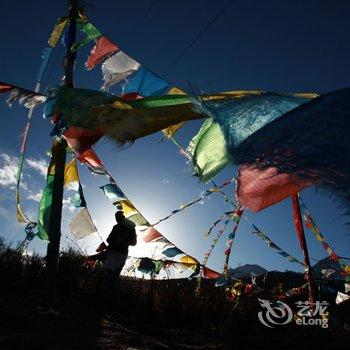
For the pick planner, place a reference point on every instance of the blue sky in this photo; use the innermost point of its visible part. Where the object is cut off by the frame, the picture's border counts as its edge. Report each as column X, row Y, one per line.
column 289, row 46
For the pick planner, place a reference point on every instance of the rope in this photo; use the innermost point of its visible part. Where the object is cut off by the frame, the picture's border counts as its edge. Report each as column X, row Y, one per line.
column 196, row 38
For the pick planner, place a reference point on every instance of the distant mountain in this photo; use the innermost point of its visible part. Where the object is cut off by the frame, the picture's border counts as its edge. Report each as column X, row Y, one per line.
column 325, row 264
column 245, row 270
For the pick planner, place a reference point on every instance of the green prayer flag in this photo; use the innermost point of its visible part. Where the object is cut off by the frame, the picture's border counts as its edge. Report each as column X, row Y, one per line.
column 45, row 209
column 208, row 151
column 92, row 34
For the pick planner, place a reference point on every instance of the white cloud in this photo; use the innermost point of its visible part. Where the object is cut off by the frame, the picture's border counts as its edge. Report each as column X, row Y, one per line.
column 38, row 164
column 66, row 203
column 166, row 181
column 8, row 170
column 34, row 196
column 72, row 186
column 9, row 167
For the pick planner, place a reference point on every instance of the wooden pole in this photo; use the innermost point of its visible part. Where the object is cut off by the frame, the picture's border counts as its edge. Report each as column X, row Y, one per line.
column 59, row 150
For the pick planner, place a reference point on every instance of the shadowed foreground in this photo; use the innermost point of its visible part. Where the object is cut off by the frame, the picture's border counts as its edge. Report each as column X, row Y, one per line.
column 155, row 314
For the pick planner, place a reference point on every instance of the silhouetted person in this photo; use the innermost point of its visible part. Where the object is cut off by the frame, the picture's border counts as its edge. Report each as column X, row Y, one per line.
column 121, row 237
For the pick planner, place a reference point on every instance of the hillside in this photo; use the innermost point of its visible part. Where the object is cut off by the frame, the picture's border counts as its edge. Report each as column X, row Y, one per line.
column 245, row 270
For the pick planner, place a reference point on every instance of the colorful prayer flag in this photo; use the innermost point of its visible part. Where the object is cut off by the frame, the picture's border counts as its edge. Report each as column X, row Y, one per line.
column 117, row 68
column 113, row 193
column 258, row 189
column 81, row 224
column 102, row 50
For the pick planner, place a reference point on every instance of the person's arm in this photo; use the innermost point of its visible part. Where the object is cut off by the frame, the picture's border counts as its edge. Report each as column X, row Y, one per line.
column 133, row 239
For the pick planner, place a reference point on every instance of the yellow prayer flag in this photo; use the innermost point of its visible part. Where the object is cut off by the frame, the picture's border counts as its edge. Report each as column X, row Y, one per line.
column 71, row 172
column 188, row 260
column 171, row 130
column 57, row 31
column 128, row 208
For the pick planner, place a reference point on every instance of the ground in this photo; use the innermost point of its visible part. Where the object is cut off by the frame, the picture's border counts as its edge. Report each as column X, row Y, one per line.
column 164, row 314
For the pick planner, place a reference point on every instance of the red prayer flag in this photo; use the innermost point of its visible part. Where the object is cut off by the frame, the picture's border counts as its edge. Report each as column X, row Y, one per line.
column 90, row 157
column 131, row 96
column 81, row 139
column 5, row 87
column 258, row 189
column 102, row 50
column 209, row 273
column 148, row 235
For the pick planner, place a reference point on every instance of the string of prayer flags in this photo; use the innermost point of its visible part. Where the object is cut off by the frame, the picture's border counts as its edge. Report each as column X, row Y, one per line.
column 81, row 224
column 132, row 214
column 214, row 242
column 207, row 233
column 118, row 67
column 272, row 245
column 296, row 291
column 53, row 40
column 31, row 100
column 154, row 267
column 21, row 217
column 70, row 175
column 236, row 217
column 311, row 225
column 184, row 206
column 156, row 243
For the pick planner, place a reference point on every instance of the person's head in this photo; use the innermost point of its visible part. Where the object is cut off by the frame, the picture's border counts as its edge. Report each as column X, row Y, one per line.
column 119, row 216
